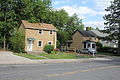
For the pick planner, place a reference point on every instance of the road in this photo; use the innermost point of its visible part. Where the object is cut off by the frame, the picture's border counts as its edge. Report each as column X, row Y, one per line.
column 91, row 70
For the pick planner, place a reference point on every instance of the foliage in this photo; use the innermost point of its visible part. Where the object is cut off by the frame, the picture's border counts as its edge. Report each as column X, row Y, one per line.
column 13, row 11
column 89, row 28
column 97, row 28
column 58, row 44
column 106, row 53
column 63, row 36
column 48, row 48
column 107, row 50
column 17, row 42
column 113, row 19
column 55, row 51
column 99, row 45
column 7, row 20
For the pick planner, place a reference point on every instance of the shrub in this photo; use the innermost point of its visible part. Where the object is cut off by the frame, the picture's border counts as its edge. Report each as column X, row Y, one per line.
column 48, row 48
column 17, row 42
column 107, row 49
column 99, row 45
column 55, row 51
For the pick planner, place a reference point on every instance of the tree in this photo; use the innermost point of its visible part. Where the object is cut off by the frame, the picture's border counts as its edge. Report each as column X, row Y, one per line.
column 7, row 20
column 73, row 24
column 17, row 42
column 97, row 28
column 113, row 19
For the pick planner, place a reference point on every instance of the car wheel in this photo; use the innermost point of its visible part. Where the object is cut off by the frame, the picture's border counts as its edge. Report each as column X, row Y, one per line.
column 89, row 52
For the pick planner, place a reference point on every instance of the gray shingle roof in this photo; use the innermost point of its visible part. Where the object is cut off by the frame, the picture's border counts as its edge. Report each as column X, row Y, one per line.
column 100, row 34
column 87, row 33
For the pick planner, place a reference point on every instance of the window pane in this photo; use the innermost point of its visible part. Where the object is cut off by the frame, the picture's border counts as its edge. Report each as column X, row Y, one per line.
column 40, row 31
column 49, row 43
column 93, row 45
column 84, row 45
column 50, row 32
column 88, row 45
column 40, row 43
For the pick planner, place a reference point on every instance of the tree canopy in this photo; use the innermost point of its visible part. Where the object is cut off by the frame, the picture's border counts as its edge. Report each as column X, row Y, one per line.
column 113, row 20
column 13, row 11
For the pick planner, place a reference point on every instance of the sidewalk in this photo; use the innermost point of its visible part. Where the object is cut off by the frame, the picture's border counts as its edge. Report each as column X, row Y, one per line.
column 70, row 60
column 10, row 58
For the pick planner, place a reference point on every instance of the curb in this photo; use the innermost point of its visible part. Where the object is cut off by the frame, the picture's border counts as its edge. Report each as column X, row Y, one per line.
column 48, row 61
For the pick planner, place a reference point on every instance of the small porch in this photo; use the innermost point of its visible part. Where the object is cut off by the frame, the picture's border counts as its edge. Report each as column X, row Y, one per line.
column 89, row 44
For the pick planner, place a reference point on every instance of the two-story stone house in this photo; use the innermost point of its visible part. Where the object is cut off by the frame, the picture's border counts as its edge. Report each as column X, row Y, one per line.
column 37, row 35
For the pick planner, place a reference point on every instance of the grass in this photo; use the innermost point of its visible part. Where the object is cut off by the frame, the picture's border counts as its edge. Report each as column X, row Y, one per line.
column 53, row 56
column 30, row 56
column 110, row 54
column 64, row 56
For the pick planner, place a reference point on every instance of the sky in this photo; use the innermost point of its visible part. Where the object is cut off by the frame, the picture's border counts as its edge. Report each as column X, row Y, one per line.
column 91, row 11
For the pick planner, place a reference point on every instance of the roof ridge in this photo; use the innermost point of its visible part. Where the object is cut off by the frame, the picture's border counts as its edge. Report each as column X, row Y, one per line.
column 38, row 25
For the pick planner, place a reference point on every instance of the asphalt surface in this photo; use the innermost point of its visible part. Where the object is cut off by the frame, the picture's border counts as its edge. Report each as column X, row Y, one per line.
column 91, row 70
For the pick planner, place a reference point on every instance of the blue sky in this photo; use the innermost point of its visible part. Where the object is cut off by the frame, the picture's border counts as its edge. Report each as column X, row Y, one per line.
column 91, row 11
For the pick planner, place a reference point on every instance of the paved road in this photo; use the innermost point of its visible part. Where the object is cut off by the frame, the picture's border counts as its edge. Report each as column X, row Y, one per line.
column 91, row 70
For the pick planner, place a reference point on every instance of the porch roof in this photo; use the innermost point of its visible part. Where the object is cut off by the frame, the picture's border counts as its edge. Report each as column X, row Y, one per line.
column 31, row 39
column 88, row 41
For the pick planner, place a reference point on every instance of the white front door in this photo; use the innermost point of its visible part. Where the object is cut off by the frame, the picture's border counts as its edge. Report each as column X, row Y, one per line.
column 30, row 45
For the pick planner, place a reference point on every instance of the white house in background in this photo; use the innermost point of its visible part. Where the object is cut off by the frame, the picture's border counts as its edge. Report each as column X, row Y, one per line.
column 113, row 43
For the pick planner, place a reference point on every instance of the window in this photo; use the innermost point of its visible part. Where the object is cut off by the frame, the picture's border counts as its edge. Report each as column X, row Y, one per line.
column 50, row 32
column 49, row 43
column 93, row 45
column 88, row 45
column 95, row 38
column 39, row 43
column 84, row 45
column 40, row 31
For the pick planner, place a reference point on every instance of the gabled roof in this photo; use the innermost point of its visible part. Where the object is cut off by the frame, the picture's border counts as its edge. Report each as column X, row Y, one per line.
column 43, row 26
column 87, row 33
column 100, row 34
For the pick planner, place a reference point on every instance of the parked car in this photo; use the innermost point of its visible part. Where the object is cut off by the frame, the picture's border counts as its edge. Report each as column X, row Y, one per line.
column 87, row 50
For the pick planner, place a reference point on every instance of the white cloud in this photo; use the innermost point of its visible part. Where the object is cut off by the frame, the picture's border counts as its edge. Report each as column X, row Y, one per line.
column 102, row 4
column 94, row 24
column 81, row 11
column 61, row 2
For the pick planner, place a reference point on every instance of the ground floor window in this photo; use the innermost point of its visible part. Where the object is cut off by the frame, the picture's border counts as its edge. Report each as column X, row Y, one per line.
column 40, row 43
column 49, row 42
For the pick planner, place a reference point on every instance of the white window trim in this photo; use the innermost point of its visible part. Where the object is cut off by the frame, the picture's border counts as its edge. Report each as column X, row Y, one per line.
column 51, row 43
column 38, row 43
column 39, row 30
column 52, row 33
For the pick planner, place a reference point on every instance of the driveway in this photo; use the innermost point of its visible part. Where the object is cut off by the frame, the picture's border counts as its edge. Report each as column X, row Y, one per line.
column 10, row 58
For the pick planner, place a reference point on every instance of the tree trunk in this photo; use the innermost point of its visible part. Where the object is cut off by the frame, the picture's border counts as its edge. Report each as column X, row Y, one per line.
column 119, row 41
column 4, row 43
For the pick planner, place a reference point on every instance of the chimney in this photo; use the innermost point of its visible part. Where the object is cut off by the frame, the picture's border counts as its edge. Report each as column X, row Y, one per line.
column 87, row 28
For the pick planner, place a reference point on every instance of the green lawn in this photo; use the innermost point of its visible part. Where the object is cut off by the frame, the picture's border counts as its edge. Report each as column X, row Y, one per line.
column 110, row 54
column 64, row 56
column 30, row 56
column 53, row 56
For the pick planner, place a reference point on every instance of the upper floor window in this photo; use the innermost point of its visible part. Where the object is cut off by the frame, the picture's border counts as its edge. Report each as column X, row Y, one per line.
column 40, row 31
column 50, row 32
